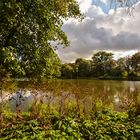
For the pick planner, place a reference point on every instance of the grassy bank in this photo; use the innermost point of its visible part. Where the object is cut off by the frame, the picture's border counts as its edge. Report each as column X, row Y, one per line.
column 43, row 122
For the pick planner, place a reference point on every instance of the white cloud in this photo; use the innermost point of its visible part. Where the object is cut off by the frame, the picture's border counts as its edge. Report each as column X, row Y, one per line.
column 94, row 12
column 116, row 31
column 104, row 1
column 84, row 5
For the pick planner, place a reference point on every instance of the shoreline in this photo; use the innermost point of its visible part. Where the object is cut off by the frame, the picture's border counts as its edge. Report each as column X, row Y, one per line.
column 102, row 78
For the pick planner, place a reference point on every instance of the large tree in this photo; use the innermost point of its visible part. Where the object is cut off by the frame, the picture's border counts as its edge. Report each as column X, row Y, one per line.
column 27, row 30
column 84, row 67
column 102, row 63
column 135, row 63
column 68, row 71
column 119, row 68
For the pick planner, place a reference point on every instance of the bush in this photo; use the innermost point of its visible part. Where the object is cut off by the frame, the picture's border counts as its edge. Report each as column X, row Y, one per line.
column 102, row 123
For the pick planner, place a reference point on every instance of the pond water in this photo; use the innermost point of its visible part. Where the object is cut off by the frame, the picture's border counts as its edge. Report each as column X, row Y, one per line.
column 84, row 91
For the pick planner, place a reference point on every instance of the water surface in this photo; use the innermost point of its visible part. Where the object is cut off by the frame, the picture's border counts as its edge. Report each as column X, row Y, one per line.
column 84, row 91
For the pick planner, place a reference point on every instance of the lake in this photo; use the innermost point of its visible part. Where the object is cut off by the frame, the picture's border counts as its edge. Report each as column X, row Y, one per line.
column 84, row 91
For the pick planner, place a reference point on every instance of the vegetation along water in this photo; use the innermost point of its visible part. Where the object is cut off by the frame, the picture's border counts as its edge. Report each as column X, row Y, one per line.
column 71, row 109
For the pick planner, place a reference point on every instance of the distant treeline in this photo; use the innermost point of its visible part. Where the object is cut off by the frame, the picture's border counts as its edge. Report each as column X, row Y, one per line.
column 103, row 65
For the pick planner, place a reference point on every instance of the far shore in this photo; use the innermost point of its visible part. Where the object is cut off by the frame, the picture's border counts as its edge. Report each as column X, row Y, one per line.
column 107, row 78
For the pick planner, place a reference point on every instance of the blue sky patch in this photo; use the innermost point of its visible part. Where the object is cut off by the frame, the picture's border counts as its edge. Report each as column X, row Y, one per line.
column 104, row 6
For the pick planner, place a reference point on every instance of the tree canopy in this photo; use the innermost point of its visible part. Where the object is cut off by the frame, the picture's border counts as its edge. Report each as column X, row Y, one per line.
column 102, row 62
column 103, row 65
column 27, row 28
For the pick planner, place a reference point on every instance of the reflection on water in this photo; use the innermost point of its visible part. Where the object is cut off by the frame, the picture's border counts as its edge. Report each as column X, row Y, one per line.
column 84, row 91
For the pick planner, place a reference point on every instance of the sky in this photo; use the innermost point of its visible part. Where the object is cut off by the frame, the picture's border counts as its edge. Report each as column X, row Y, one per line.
column 103, row 28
